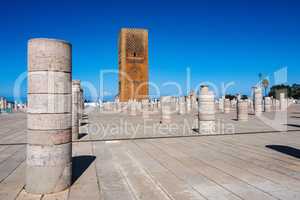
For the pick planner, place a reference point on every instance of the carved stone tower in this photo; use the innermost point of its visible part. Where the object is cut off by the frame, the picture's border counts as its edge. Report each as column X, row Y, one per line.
column 133, row 64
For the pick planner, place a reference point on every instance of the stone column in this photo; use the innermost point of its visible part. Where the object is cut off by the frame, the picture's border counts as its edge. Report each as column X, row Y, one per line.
column 181, row 103
column 49, row 118
column 132, row 108
column 227, row 106
column 145, row 108
column 242, row 110
column 206, row 111
column 1, row 104
column 193, row 101
column 277, row 105
column 81, row 105
column 75, row 108
column 16, row 106
column 221, row 105
column 4, row 104
column 268, row 104
column 257, row 101
column 165, row 102
column 283, row 102
column 188, row 104
column 233, row 104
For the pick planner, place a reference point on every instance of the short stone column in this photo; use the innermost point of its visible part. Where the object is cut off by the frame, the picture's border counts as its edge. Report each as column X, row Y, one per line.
column 75, row 108
column 165, row 102
column 227, row 107
column 49, row 116
column 188, row 104
column 257, row 101
column 242, row 110
column 206, row 111
column 145, row 109
column 181, row 103
column 268, row 104
column 9, row 107
column 132, row 108
column 277, row 105
column 221, row 105
column 81, row 105
column 4, row 104
column 194, row 101
column 1, row 104
column 16, row 106
column 158, row 104
column 138, row 106
column 283, row 102
column 233, row 104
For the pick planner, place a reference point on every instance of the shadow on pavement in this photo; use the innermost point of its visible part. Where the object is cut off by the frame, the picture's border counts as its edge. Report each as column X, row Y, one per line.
column 291, row 151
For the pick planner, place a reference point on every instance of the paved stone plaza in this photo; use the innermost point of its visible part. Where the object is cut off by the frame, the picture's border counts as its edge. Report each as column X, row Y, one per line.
column 107, row 165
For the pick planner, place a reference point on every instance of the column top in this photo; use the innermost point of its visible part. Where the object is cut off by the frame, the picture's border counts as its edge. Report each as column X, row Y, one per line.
column 49, row 39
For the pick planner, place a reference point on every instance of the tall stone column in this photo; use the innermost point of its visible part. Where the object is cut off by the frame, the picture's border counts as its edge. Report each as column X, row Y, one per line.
column 206, row 111
column 227, row 105
column 242, row 110
column 165, row 102
column 257, row 101
column 75, row 108
column 49, row 118
column 268, row 104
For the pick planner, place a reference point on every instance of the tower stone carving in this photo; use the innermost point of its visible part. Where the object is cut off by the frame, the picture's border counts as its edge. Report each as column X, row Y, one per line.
column 133, row 64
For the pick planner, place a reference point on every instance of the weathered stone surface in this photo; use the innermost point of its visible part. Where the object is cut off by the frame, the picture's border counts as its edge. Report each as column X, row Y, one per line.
column 227, row 106
column 49, row 118
column 206, row 111
column 242, row 110
column 257, row 101
column 75, row 108
column 48, row 82
column 268, row 104
column 132, row 108
column 48, row 103
column 182, row 106
column 49, row 121
column 145, row 108
column 166, row 111
column 49, row 55
column 283, row 102
column 221, row 105
column 49, row 137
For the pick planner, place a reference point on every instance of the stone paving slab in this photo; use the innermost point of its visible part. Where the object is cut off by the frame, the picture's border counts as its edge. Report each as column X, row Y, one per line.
column 242, row 166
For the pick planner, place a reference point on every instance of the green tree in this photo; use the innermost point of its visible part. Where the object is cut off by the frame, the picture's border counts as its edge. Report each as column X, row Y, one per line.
column 277, row 89
column 295, row 91
column 265, row 84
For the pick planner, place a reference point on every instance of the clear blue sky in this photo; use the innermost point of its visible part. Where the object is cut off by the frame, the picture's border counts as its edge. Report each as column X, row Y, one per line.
column 220, row 41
